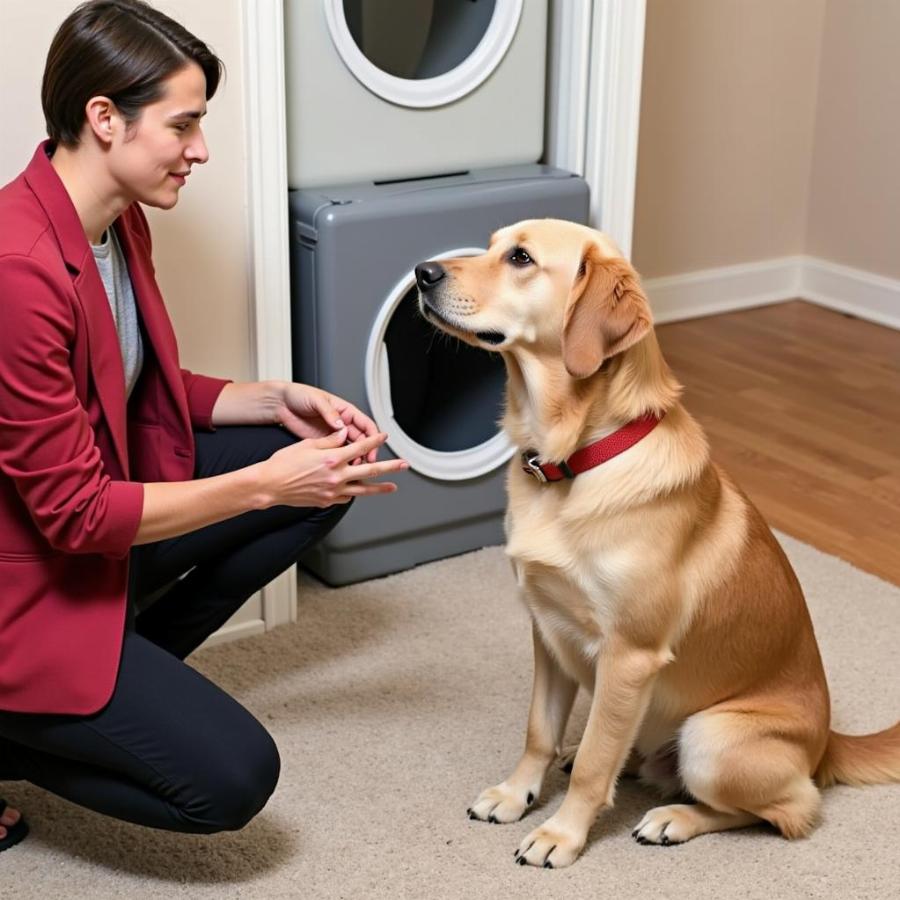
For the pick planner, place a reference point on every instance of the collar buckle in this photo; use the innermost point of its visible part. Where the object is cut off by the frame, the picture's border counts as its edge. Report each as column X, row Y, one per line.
column 532, row 466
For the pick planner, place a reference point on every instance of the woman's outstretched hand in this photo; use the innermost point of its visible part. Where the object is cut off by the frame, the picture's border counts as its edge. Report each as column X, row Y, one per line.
column 321, row 472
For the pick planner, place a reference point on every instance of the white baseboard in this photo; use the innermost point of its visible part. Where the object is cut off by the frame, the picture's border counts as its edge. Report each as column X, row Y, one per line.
column 724, row 289
column 729, row 288
column 235, row 632
column 853, row 291
column 278, row 603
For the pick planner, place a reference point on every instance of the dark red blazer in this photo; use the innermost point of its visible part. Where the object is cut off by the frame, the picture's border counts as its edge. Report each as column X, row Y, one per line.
column 72, row 455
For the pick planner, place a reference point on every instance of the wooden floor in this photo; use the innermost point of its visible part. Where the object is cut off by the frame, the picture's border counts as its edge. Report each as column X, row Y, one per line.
column 802, row 407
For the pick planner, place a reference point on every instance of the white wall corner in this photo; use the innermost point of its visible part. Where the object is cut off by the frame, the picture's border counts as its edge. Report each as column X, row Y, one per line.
column 266, row 136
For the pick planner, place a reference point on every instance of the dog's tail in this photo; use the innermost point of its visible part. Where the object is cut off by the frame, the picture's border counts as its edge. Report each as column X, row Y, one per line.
column 860, row 759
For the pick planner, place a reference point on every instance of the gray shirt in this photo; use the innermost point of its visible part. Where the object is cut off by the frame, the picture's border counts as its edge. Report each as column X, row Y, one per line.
column 114, row 273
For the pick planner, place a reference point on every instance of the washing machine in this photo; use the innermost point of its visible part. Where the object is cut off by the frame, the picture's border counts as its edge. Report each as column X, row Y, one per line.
column 388, row 89
column 357, row 332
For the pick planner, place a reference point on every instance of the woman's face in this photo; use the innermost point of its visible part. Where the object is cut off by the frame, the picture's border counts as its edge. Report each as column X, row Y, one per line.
column 151, row 159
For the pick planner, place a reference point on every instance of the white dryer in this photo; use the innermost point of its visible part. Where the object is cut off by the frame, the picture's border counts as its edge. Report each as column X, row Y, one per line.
column 393, row 89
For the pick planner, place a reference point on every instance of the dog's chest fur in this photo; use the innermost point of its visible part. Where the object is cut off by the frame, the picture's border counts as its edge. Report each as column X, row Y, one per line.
column 570, row 622
column 571, row 583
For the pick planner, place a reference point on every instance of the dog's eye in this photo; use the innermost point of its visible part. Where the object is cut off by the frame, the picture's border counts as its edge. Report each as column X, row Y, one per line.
column 519, row 257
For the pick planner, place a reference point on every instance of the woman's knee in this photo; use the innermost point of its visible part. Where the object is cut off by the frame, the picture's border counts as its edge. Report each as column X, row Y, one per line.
column 313, row 524
column 236, row 785
column 233, row 447
column 329, row 516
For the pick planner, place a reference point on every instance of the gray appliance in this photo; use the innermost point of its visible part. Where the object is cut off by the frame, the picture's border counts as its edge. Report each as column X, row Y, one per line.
column 358, row 334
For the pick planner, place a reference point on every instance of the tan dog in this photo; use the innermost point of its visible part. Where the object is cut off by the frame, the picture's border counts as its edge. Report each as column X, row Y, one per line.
column 651, row 579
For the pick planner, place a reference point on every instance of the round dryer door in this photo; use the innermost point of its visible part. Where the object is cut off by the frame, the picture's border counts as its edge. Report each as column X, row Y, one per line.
column 422, row 53
column 438, row 398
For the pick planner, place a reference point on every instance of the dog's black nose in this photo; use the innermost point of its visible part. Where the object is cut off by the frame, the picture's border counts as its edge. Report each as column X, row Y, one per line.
column 428, row 274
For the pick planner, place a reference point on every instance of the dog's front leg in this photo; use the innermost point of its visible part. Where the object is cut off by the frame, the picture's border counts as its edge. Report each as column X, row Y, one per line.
column 551, row 703
column 624, row 681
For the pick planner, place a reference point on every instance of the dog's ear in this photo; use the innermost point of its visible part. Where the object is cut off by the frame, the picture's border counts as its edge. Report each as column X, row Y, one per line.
column 606, row 313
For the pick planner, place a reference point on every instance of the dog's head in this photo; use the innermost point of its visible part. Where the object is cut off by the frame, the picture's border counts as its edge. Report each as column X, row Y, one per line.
column 543, row 283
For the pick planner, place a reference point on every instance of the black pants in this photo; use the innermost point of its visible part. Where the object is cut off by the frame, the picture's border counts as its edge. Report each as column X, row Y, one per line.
column 170, row 749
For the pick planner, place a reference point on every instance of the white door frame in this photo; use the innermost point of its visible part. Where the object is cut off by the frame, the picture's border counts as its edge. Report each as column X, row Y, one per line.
column 594, row 93
column 593, row 89
column 267, row 203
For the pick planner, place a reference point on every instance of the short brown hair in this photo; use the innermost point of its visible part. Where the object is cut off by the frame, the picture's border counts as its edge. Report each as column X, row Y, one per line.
column 121, row 49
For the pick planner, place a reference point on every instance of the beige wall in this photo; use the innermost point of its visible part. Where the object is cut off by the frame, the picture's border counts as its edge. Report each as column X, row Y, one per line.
column 200, row 247
column 769, row 128
column 726, row 132
column 854, row 210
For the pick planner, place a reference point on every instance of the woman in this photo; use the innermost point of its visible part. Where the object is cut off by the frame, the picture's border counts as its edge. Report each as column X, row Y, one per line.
column 140, row 504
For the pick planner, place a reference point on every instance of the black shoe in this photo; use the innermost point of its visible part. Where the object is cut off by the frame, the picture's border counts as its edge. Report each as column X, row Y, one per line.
column 14, row 833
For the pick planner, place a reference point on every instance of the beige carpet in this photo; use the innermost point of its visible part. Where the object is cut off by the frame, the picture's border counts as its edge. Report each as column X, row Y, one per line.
column 396, row 701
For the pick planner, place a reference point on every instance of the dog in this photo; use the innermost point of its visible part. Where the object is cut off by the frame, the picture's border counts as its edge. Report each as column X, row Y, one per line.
column 651, row 580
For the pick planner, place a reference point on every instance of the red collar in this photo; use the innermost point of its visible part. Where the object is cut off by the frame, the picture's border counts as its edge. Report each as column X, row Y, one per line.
column 592, row 455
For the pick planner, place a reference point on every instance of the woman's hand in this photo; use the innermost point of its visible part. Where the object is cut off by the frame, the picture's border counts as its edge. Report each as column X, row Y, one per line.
column 310, row 412
column 305, row 411
column 320, row 471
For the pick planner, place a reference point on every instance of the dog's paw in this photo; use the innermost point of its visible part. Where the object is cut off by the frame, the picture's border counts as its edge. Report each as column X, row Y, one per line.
column 501, row 804
column 551, row 846
column 666, row 825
